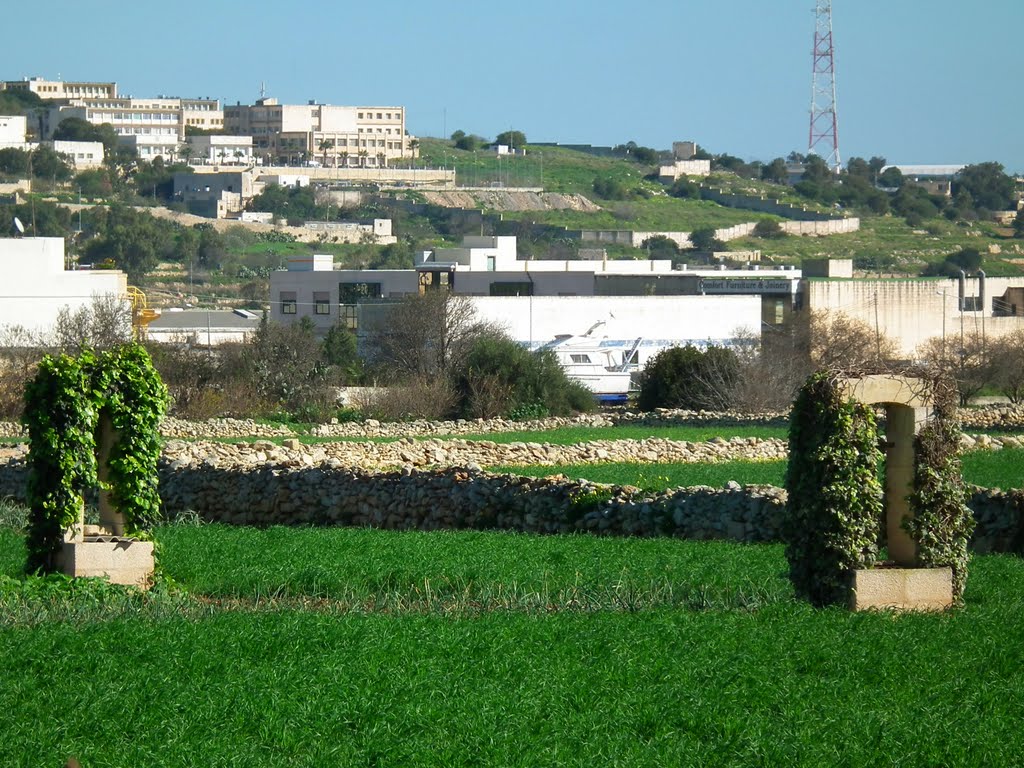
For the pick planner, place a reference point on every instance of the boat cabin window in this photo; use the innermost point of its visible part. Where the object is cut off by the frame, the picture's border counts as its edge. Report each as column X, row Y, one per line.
column 579, row 358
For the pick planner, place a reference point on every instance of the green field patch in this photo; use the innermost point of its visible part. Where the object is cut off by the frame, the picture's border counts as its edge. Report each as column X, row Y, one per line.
column 660, row 477
column 783, row 685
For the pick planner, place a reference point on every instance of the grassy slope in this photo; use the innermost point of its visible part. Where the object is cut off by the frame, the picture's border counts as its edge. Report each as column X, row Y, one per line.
column 569, row 171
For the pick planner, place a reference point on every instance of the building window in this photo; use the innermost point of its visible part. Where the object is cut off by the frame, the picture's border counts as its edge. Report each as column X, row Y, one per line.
column 289, row 303
column 349, row 297
column 321, row 303
column 512, row 289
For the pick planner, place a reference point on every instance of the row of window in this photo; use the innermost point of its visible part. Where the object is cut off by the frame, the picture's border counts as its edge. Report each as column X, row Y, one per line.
column 380, row 116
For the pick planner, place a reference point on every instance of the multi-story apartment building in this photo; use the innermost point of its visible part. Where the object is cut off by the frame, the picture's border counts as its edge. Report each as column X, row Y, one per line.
column 154, row 127
column 58, row 89
column 322, row 134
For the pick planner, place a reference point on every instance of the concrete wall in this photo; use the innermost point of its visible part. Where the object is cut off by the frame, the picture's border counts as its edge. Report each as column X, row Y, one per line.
column 36, row 284
column 764, row 205
column 12, row 129
column 660, row 320
column 914, row 310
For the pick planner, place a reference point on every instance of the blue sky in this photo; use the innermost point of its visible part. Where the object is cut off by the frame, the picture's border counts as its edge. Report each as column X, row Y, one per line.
column 918, row 81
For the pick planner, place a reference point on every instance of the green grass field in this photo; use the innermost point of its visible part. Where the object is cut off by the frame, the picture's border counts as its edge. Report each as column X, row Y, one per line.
column 606, row 667
column 989, row 469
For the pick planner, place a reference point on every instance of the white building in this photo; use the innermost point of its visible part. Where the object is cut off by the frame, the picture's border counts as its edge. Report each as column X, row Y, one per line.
column 323, row 134
column 58, row 89
column 220, row 150
column 154, row 127
column 535, row 300
column 82, row 154
column 12, row 131
column 37, row 286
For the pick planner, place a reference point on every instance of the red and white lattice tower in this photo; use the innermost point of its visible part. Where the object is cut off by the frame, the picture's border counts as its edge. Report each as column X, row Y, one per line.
column 824, row 137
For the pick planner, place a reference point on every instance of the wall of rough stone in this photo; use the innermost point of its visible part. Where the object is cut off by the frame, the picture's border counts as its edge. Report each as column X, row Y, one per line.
column 461, row 498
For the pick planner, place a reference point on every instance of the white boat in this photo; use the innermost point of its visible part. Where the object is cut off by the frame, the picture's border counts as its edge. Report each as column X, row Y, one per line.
column 604, row 366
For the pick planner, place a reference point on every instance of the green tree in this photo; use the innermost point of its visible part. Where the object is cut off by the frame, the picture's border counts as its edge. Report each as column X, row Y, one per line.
column 686, row 188
column 610, row 188
column 13, row 161
column 499, row 377
column 134, row 241
column 47, row 164
column 513, row 139
column 397, row 255
column 706, row 239
column 816, row 170
column 95, row 182
column 287, row 366
column 987, row 184
column 768, row 229
column 891, row 177
column 660, row 247
column 775, row 171
column 340, row 350
column 876, row 164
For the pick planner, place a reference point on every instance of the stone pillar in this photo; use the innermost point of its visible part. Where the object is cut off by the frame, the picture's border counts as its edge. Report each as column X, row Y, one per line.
column 111, row 520
column 902, row 423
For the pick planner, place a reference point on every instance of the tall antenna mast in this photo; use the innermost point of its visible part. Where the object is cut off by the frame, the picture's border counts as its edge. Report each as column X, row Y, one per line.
column 824, row 134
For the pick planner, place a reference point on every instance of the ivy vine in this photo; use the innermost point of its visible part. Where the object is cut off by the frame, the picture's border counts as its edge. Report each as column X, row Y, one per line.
column 942, row 522
column 834, row 513
column 63, row 404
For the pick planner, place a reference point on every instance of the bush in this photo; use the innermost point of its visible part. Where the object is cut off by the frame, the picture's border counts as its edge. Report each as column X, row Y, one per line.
column 688, row 377
column 500, row 377
column 768, row 228
column 419, row 398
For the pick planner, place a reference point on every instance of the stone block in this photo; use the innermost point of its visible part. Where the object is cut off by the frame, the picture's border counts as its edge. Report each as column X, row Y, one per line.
column 904, row 589
column 122, row 561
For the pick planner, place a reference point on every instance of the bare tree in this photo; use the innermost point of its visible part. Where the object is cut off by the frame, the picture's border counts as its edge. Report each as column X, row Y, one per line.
column 426, row 336
column 965, row 359
column 20, row 353
column 773, row 367
column 1007, row 355
column 836, row 340
column 105, row 323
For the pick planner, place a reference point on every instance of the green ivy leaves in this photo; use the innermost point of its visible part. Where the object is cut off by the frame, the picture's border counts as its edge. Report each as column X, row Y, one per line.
column 62, row 408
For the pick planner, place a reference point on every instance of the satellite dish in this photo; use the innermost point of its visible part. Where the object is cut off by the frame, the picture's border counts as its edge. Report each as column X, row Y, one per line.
column 19, row 226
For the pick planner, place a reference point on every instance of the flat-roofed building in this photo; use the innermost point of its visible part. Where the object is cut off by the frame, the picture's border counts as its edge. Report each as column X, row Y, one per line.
column 220, row 150
column 59, row 89
column 154, row 127
column 322, row 134
column 12, row 131
column 37, row 285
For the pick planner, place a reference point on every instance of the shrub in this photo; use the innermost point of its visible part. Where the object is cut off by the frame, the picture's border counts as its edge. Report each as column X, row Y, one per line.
column 416, row 399
column 500, row 377
column 768, row 229
column 688, row 377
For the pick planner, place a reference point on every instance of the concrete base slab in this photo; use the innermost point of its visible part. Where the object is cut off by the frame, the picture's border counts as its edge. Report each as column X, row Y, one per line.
column 904, row 589
column 122, row 561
